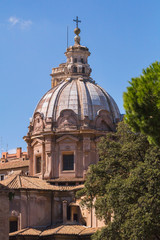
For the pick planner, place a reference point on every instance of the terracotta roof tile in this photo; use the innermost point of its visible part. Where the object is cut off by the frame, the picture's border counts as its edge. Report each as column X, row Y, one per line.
column 56, row 230
column 8, row 180
column 67, row 179
column 26, row 232
column 27, row 182
column 14, row 164
column 69, row 230
column 32, row 232
column 88, row 231
column 51, row 231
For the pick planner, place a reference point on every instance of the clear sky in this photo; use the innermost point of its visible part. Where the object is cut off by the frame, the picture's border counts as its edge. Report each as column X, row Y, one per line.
column 123, row 37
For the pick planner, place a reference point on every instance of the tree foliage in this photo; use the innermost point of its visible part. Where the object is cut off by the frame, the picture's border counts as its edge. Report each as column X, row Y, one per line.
column 142, row 103
column 125, row 187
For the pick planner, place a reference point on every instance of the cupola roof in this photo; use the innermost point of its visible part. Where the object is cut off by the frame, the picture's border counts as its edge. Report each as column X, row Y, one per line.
column 73, row 89
column 84, row 97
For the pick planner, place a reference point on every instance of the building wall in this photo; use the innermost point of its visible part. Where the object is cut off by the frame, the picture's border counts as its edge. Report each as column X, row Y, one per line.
column 38, row 208
column 89, row 216
column 51, row 152
column 4, row 215
column 18, row 154
column 32, row 208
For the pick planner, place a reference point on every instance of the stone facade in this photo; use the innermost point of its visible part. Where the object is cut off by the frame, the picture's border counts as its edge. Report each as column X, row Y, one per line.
column 4, row 213
column 36, row 203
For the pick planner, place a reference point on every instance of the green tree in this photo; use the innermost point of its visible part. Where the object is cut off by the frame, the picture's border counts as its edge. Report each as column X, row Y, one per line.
column 142, row 103
column 125, row 185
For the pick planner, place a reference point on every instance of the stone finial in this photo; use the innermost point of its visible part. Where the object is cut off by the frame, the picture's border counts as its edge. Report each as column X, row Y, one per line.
column 77, row 37
column 77, row 32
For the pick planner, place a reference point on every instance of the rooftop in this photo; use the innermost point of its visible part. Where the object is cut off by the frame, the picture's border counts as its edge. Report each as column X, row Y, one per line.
column 66, row 179
column 14, row 164
column 77, row 230
column 33, row 183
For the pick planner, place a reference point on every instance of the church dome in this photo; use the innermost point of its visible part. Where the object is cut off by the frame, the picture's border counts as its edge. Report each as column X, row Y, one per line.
column 83, row 97
column 69, row 120
column 75, row 101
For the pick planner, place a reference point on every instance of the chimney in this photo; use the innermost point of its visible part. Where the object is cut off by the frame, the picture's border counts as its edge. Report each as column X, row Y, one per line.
column 19, row 152
column 4, row 155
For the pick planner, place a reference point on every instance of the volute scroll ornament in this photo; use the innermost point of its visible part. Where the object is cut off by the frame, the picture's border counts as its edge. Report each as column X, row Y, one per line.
column 38, row 123
column 104, row 121
column 67, row 120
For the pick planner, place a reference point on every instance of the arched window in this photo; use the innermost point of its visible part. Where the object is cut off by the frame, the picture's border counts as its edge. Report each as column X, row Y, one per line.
column 83, row 69
column 82, row 61
column 75, row 60
column 75, row 69
column 38, row 164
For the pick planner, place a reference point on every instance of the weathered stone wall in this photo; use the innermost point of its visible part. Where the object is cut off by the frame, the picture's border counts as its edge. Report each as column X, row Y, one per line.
column 38, row 208
column 32, row 208
column 82, row 146
column 4, row 214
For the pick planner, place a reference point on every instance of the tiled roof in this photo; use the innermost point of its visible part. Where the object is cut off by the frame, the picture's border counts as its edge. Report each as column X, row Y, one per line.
column 26, row 232
column 67, row 179
column 27, row 182
column 14, row 164
column 78, row 230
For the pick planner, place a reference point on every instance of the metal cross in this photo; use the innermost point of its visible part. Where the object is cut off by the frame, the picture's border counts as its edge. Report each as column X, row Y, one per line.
column 77, row 21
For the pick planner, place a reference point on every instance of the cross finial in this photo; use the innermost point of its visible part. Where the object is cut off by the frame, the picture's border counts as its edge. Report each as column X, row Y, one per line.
column 77, row 21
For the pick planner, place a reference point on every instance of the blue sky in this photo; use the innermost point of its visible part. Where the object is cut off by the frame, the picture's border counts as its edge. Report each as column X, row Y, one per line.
column 123, row 37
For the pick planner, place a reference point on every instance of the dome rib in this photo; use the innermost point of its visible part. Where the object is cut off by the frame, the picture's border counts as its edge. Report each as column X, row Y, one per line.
column 85, row 100
column 52, row 102
column 40, row 103
column 73, row 98
column 90, row 106
column 95, row 98
column 83, row 97
column 50, row 99
column 113, row 106
column 78, row 101
column 60, row 103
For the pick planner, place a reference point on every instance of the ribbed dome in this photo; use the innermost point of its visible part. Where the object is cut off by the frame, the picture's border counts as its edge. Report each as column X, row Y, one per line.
column 70, row 119
column 85, row 98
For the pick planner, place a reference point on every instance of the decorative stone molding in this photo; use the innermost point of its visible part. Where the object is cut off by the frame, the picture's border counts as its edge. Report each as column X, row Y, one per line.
column 69, row 137
column 86, row 144
column 67, row 120
column 38, row 123
column 104, row 121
